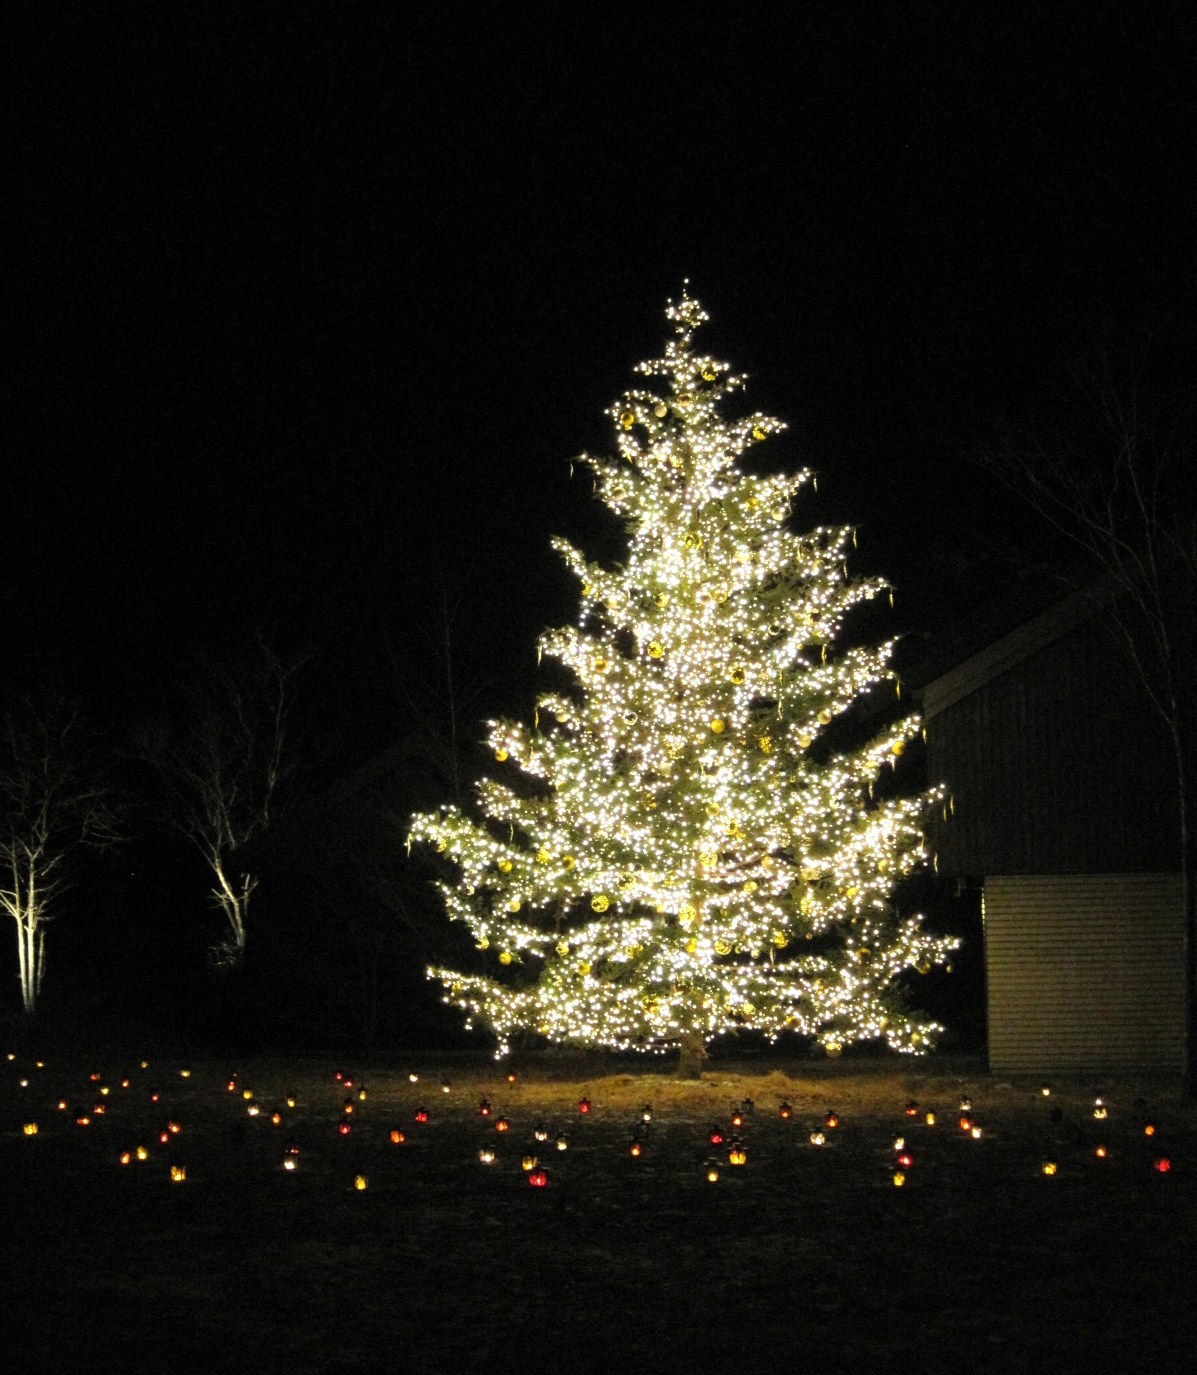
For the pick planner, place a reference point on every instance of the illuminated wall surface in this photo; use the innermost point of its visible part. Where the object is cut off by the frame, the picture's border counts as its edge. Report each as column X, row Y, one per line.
column 669, row 848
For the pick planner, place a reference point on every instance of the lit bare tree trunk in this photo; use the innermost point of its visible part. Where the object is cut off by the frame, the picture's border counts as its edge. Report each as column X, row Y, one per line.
column 223, row 765
column 47, row 810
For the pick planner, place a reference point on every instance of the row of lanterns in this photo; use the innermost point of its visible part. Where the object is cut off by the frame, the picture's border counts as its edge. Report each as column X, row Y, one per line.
column 737, row 1155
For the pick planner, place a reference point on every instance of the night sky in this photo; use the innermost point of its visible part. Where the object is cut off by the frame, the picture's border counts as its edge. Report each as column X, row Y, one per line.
column 309, row 308
column 309, row 311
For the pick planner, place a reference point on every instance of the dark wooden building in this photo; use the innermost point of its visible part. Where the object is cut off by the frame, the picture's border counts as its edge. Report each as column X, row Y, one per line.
column 1064, row 814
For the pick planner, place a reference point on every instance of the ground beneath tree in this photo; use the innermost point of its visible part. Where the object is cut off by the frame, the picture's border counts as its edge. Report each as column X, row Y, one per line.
column 805, row 1253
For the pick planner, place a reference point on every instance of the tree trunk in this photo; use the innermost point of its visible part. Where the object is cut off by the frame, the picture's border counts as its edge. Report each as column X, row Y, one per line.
column 1188, row 859
column 691, row 1057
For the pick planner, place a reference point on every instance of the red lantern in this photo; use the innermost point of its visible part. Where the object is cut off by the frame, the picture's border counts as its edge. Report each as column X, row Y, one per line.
column 1161, row 1164
column 912, row 1109
column 715, row 1135
column 539, row 1179
column 421, row 1114
column 786, row 1112
column 344, row 1127
column 584, row 1106
column 484, row 1108
column 502, row 1124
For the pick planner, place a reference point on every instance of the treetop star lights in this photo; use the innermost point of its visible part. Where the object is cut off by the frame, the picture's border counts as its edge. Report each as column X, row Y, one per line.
column 676, row 846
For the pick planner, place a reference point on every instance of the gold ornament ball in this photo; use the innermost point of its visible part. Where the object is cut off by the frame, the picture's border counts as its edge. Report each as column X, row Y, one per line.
column 717, row 726
column 627, row 419
column 600, row 902
column 506, row 957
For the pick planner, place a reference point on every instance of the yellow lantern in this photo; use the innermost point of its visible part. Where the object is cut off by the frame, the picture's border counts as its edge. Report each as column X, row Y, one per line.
column 361, row 1182
column 30, row 1128
column 178, row 1173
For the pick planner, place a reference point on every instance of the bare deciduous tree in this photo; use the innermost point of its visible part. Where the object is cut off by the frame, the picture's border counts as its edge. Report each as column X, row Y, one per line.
column 1115, row 480
column 50, row 806
column 223, row 762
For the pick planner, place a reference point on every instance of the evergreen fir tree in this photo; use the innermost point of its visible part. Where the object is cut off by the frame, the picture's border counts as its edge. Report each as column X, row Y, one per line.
column 675, row 848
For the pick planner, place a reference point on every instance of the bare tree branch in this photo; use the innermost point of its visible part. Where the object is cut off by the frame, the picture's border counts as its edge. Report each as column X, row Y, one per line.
column 224, row 761
column 51, row 806
column 1116, row 482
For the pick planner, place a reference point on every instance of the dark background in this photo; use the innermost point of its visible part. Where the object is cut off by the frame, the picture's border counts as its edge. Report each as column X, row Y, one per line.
column 309, row 309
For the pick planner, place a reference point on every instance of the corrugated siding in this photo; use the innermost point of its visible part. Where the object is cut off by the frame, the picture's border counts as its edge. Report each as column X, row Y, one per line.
column 1085, row 971
column 1056, row 767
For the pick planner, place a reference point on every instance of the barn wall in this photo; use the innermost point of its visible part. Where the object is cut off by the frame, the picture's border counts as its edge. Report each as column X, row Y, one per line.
column 1056, row 765
column 1085, row 972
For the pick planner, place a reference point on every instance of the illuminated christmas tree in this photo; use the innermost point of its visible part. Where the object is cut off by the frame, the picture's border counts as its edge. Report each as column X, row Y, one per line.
column 681, row 844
